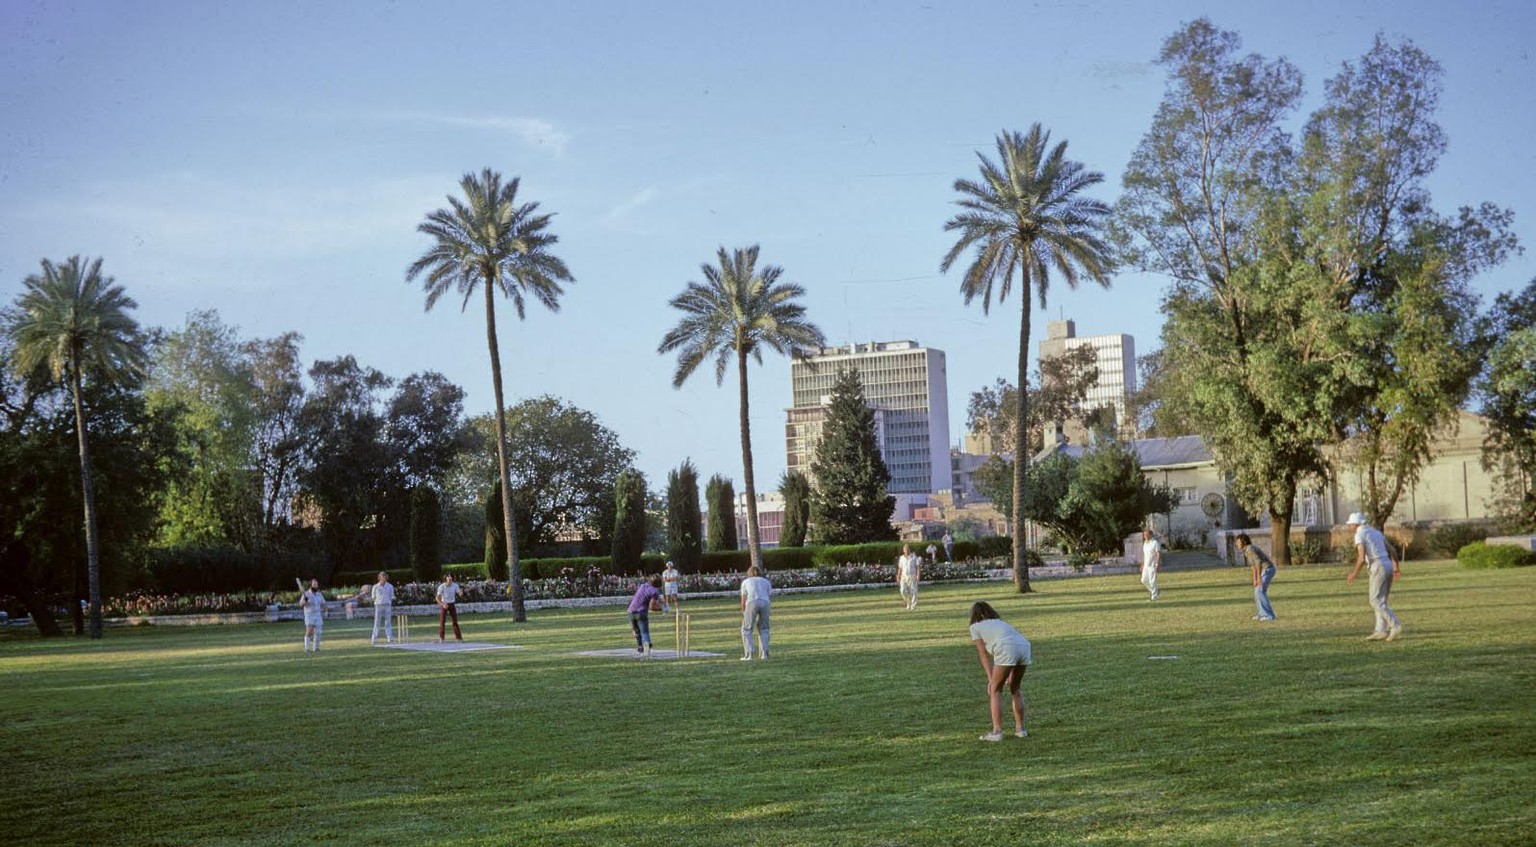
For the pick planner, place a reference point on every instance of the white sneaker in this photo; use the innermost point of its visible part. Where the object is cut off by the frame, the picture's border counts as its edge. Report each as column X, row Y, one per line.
column 1377, row 636
column 1396, row 631
column 1021, row 733
column 992, row 736
column 746, row 658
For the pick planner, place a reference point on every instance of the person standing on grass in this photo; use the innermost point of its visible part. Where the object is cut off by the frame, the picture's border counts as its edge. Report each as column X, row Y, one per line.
column 755, row 594
column 1151, row 561
column 933, row 553
column 647, row 597
column 383, row 593
column 1005, row 655
column 312, row 601
column 949, row 546
column 1371, row 548
column 909, row 571
column 447, row 607
column 670, row 599
column 1263, row 573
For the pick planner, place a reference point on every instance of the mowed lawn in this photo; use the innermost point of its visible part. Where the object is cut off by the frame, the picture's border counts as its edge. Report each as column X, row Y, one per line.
column 861, row 730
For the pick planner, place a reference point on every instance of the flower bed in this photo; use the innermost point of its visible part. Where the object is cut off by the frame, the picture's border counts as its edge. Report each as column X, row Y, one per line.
column 569, row 584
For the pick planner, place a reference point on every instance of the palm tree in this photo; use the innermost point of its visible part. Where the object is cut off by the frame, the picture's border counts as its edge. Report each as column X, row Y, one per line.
column 738, row 311
column 1025, row 213
column 74, row 322
column 487, row 242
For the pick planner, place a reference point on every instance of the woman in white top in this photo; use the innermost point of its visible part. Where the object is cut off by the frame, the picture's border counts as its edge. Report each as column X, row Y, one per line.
column 1004, row 656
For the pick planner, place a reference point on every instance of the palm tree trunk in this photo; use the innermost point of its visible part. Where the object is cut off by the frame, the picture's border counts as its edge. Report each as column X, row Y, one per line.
column 88, row 496
column 1021, row 446
column 755, row 553
column 514, row 570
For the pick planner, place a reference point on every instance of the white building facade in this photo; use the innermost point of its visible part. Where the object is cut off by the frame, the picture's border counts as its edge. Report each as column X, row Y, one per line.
column 907, row 386
column 1116, row 361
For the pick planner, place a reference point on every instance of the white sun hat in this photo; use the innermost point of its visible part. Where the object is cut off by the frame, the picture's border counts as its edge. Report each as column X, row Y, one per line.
column 1356, row 518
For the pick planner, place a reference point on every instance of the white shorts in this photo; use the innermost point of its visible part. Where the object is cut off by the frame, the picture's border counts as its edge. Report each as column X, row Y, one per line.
column 670, row 589
column 1012, row 652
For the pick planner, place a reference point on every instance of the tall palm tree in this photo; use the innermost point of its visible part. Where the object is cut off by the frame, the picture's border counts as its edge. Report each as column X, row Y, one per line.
column 74, row 322
column 486, row 241
column 1026, row 214
column 737, row 311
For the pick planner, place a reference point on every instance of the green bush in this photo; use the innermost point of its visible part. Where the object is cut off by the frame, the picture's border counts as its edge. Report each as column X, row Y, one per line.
column 1480, row 554
column 873, row 553
column 1447, row 540
column 221, row 570
column 995, row 546
column 467, row 571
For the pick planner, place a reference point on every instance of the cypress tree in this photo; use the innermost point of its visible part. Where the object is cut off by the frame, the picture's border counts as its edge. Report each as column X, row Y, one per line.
column 721, row 496
column 797, row 508
column 629, row 521
column 850, row 504
column 426, row 518
column 685, row 533
column 495, row 536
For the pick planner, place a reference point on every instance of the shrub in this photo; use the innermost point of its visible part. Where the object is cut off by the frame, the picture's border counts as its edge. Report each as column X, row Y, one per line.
column 195, row 569
column 873, row 553
column 1311, row 551
column 465, row 572
column 995, row 546
column 1446, row 541
column 1480, row 554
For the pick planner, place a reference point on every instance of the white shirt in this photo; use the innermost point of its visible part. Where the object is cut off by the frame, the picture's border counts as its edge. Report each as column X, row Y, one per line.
column 313, row 603
column 383, row 594
column 907, row 566
column 755, row 589
column 669, row 575
column 1151, row 553
column 1375, row 545
column 448, row 592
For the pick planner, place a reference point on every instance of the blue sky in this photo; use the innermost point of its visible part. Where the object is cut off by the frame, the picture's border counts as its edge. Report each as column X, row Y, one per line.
column 272, row 160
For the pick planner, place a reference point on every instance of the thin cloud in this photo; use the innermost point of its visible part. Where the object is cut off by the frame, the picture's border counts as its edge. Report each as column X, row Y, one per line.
column 623, row 209
column 535, row 132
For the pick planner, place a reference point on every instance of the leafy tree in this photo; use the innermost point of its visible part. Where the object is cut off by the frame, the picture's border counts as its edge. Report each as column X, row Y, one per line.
column 424, row 428
column 347, row 473
column 1027, row 213
column 797, row 508
column 74, row 323
column 850, row 504
column 629, row 526
column 1507, row 390
column 426, row 516
column 199, row 374
column 994, row 481
column 720, row 533
column 736, row 312
column 1064, row 382
column 1091, row 504
column 490, row 242
column 685, row 538
column 277, row 442
column 656, row 531
column 1307, row 279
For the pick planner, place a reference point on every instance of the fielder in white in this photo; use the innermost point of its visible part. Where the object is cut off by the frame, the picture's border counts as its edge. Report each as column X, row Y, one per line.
column 670, row 599
column 312, row 601
column 909, row 572
column 755, row 594
column 383, row 594
column 1371, row 547
column 1151, row 561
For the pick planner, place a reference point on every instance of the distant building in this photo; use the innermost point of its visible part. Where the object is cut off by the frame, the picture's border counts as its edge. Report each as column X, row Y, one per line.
column 1117, row 374
column 906, row 385
column 770, row 519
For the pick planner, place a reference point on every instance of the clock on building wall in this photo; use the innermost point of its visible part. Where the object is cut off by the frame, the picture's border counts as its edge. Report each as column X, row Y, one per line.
column 1211, row 504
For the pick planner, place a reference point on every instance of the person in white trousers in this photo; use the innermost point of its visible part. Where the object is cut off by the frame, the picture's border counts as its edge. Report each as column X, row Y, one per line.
column 755, row 593
column 1371, row 548
column 909, row 572
column 312, row 601
column 383, row 593
column 1151, row 561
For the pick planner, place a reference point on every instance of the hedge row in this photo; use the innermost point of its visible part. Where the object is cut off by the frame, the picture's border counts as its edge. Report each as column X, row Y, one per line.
column 1480, row 554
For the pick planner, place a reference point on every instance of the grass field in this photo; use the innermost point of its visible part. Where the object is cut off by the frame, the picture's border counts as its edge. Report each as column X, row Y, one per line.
column 862, row 729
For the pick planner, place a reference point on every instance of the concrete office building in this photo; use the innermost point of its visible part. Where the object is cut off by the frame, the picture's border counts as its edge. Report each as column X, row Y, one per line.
column 1117, row 372
column 905, row 384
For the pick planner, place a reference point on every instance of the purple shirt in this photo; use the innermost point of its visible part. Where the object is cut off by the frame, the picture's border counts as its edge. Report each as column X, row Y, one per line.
column 642, row 598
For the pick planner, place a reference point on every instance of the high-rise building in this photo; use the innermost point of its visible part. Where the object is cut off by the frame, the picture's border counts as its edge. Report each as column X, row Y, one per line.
column 906, row 386
column 1117, row 370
